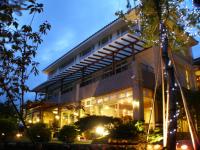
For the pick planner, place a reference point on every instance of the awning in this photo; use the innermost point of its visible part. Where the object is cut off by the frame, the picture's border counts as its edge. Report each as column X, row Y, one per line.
column 116, row 50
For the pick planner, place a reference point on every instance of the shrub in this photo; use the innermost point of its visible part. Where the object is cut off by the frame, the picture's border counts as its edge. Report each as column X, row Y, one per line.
column 155, row 135
column 40, row 132
column 7, row 128
column 68, row 133
column 90, row 122
column 124, row 131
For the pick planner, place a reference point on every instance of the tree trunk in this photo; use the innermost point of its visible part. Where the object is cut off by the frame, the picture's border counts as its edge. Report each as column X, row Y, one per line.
column 170, row 82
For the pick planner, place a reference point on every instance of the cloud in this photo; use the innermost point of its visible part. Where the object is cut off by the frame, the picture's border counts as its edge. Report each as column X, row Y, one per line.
column 55, row 49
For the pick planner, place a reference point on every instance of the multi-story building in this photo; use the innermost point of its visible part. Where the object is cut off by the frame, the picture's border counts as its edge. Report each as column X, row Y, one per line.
column 111, row 74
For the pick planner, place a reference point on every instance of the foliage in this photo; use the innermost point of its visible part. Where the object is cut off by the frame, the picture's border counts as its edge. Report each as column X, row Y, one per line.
column 89, row 122
column 68, row 133
column 177, row 17
column 7, row 111
column 155, row 135
column 39, row 132
column 127, row 131
column 7, row 128
column 18, row 47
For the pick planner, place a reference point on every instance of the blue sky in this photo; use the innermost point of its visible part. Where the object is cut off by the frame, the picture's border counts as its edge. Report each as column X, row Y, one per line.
column 72, row 21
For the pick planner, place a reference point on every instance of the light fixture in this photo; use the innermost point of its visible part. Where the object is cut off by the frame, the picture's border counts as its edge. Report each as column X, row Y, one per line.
column 38, row 120
column 18, row 135
column 55, row 112
column 101, row 131
column 2, row 134
column 136, row 104
column 57, row 117
column 184, row 147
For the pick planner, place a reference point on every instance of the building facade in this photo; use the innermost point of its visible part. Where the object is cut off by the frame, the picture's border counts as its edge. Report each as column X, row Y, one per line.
column 110, row 74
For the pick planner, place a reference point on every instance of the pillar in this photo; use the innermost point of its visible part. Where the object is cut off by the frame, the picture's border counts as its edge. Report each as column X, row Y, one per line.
column 138, row 103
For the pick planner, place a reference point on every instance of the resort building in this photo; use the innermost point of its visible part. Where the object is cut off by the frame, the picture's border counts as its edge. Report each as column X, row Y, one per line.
column 111, row 73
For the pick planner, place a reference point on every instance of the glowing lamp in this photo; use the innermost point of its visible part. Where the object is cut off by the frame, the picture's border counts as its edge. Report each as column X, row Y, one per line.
column 101, row 131
column 30, row 121
column 184, row 147
column 57, row 117
column 38, row 120
column 18, row 135
column 136, row 104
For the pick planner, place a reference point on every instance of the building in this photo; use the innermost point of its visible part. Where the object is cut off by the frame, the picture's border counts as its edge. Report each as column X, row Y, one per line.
column 110, row 73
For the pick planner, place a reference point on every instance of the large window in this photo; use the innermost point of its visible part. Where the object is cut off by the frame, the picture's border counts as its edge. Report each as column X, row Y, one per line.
column 105, row 40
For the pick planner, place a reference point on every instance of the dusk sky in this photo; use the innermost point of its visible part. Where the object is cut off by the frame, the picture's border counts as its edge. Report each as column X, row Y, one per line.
column 72, row 22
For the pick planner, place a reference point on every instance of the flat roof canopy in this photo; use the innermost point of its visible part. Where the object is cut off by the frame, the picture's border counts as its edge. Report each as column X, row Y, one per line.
column 120, row 48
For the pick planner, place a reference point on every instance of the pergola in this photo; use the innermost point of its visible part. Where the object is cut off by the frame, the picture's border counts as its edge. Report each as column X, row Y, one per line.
column 118, row 49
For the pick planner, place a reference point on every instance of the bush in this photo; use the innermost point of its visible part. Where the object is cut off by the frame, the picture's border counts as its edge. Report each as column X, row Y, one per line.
column 68, row 133
column 90, row 122
column 155, row 135
column 124, row 131
column 40, row 132
column 7, row 128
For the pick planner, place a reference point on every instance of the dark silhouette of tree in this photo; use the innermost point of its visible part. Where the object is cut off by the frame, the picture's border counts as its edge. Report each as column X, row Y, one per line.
column 18, row 47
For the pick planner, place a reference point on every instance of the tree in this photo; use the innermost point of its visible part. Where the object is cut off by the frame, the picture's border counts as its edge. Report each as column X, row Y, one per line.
column 168, row 24
column 40, row 132
column 68, row 133
column 18, row 47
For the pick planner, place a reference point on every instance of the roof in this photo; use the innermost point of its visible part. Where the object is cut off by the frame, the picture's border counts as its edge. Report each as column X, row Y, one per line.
column 81, row 44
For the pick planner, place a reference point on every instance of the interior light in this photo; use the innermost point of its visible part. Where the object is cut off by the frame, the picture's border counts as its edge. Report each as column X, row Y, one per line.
column 38, row 119
column 101, row 131
column 184, row 147
column 106, row 107
column 136, row 104
column 157, row 146
column 57, row 117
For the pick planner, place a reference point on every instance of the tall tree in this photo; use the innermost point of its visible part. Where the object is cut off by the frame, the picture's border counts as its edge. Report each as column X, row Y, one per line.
column 169, row 24
column 18, row 47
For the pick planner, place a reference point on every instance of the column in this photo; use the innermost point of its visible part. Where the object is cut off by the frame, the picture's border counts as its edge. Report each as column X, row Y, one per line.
column 138, row 103
column 77, row 98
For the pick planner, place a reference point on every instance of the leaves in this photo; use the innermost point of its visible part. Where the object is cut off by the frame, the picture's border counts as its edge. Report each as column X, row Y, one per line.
column 18, row 47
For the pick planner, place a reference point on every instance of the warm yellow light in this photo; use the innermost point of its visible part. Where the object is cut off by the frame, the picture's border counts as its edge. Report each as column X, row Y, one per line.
column 38, row 120
column 106, row 107
column 57, row 117
column 55, row 112
column 75, row 113
column 184, row 147
column 101, row 131
column 129, row 100
column 149, row 147
column 157, row 146
column 18, row 135
column 136, row 104
column 30, row 121
column 2, row 134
